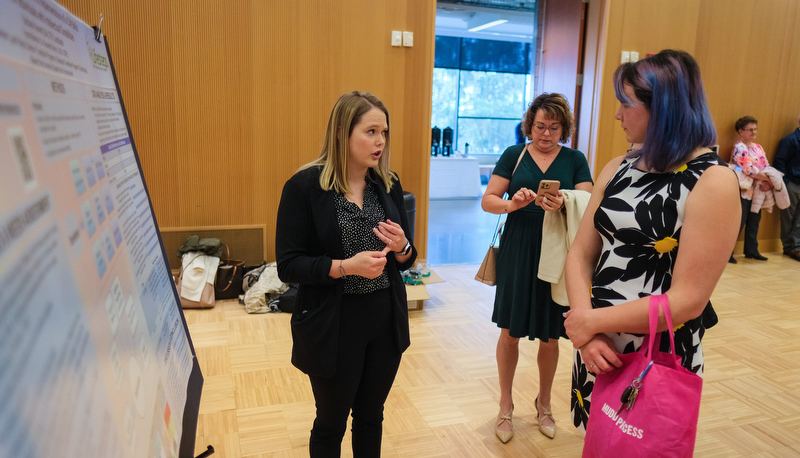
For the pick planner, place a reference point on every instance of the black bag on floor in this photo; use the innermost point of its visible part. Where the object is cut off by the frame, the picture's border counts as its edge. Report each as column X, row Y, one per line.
column 228, row 284
column 286, row 301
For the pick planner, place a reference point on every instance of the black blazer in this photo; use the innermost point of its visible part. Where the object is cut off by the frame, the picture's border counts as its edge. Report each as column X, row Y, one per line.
column 307, row 239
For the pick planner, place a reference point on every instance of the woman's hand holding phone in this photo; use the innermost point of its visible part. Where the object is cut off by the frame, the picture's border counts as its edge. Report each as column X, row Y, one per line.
column 548, row 196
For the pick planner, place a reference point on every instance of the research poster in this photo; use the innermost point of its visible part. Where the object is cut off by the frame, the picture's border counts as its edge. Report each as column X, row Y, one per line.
column 94, row 356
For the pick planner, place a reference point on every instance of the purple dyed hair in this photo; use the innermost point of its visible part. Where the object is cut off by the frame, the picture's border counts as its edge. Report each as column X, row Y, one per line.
column 670, row 87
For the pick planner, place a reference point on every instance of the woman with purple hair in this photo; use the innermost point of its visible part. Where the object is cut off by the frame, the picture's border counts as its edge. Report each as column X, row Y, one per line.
column 662, row 219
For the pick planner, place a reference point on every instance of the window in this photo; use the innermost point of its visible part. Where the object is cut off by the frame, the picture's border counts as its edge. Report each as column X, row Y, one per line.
column 480, row 89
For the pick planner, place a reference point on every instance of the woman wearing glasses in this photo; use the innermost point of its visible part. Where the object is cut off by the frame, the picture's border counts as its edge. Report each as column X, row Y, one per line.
column 523, row 305
column 749, row 158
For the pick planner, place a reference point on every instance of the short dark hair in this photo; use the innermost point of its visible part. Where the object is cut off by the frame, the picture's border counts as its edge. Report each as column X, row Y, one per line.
column 555, row 107
column 670, row 87
column 742, row 122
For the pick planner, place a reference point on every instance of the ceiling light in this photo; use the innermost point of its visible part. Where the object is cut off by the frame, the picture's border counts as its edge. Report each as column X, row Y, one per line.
column 484, row 21
column 488, row 24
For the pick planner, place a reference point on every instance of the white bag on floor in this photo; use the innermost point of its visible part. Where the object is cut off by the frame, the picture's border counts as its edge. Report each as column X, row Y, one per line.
column 268, row 287
column 197, row 270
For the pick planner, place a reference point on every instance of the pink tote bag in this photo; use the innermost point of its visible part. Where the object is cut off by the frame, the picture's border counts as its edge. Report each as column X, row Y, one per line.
column 663, row 419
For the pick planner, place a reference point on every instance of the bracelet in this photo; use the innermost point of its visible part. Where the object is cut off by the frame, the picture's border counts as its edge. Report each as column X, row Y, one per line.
column 341, row 270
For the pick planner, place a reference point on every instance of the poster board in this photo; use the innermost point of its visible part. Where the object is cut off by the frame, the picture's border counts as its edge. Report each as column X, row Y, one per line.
column 95, row 353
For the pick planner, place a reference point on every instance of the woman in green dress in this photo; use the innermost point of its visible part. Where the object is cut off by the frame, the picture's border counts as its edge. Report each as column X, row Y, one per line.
column 523, row 306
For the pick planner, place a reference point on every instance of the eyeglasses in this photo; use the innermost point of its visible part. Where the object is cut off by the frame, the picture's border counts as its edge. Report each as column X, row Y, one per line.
column 750, row 130
column 541, row 128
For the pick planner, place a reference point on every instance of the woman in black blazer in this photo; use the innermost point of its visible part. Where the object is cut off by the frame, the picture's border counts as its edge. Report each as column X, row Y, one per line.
column 342, row 236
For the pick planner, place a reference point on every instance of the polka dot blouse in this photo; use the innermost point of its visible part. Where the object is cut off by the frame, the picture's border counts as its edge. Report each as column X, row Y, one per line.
column 356, row 225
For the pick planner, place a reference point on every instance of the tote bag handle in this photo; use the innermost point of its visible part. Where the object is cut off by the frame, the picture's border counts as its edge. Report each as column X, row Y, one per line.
column 661, row 301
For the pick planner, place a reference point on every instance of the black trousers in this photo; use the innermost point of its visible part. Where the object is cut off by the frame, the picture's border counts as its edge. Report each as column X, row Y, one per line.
column 367, row 362
column 750, row 222
column 790, row 219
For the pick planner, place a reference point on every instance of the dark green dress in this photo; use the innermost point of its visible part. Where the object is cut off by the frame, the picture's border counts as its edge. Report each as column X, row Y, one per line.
column 522, row 302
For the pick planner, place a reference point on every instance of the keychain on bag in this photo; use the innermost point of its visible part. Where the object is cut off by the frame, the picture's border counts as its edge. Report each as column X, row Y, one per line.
column 630, row 393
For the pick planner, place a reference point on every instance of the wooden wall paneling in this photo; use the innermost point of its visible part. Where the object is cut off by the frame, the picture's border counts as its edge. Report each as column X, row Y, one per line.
column 594, row 55
column 222, row 184
column 560, row 45
column 608, row 144
column 186, row 67
column 227, row 100
column 739, row 89
column 392, row 88
column 781, row 103
column 418, row 84
column 787, row 71
column 281, row 59
column 787, row 107
column 647, row 27
column 721, row 27
column 226, row 75
column 144, row 72
column 748, row 58
column 364, row 49
column 747, row 54
column 145, row 77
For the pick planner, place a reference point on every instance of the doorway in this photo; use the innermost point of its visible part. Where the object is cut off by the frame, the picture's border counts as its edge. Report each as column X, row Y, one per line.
column 553, row 34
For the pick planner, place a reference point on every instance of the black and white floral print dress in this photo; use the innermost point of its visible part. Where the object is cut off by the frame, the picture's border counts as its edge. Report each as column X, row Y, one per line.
column 639, row 221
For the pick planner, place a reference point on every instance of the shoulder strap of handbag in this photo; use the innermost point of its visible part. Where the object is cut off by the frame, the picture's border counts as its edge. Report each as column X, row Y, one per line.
column 521, row 155
column 499, row 227
column 497, row 231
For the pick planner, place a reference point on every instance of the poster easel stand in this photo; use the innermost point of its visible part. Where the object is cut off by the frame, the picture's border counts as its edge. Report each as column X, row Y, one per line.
column 208, row 452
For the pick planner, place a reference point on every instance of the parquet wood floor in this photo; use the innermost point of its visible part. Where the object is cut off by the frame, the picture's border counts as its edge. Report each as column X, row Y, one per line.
column 256, row 404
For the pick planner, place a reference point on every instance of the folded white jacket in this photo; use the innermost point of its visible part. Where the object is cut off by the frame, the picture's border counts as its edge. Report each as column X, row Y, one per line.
column 198, row 269
column 778, row 195
column 558, row 232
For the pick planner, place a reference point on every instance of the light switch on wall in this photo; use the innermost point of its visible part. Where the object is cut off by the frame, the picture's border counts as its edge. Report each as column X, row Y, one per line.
column 408, row 39
column 634, row 56
column 397, row 38
column 626, row 57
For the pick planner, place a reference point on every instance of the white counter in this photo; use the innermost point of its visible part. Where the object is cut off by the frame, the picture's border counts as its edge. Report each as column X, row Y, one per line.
column 453, row 177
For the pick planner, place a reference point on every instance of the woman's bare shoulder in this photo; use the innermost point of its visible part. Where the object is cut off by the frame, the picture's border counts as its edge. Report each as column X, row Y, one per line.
column 608, row 171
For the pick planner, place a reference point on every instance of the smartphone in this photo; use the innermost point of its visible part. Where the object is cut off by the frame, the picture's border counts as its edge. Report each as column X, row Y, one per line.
column 547, row 187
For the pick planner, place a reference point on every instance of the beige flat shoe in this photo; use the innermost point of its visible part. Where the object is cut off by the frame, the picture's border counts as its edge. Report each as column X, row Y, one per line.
column 504, row 436
column 549, row 431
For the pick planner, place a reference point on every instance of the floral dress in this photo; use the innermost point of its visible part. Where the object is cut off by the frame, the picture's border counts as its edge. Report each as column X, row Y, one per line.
column 639, row 221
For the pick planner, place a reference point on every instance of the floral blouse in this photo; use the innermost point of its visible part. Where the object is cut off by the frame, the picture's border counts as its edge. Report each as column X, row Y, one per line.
column 752, row 160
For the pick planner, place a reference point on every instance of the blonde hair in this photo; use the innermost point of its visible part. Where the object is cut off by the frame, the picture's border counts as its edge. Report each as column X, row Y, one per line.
column 347, row 112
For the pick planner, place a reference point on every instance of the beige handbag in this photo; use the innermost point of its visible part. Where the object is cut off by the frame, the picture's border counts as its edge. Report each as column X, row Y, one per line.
column 207, row 299
column 487, row 272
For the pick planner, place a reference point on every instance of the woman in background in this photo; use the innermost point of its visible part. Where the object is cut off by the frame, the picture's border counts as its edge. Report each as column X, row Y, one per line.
column 749, row 158
column 341, row 235
column 523, row 306
column 662, row 219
